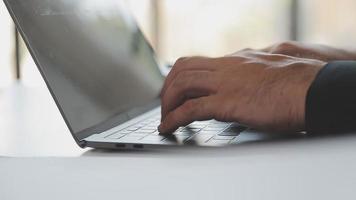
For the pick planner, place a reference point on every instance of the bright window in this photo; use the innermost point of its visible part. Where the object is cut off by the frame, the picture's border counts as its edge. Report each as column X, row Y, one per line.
column 214, row 28
column 217, row 28
column 329, row 22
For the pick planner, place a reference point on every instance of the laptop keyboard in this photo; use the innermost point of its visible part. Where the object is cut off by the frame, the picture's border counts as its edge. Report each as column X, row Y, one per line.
column 208, row 132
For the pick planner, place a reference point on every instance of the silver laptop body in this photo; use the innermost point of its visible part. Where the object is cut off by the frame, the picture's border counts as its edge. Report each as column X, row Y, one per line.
column 104, row 78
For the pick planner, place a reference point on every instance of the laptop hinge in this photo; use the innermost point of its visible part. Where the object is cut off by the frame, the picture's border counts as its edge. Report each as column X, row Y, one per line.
column 82, row 143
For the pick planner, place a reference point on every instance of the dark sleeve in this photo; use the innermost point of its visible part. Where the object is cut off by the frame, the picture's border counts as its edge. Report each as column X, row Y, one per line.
column 331, row 100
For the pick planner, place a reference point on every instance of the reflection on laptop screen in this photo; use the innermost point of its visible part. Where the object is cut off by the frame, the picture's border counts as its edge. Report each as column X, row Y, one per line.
column 95, row 60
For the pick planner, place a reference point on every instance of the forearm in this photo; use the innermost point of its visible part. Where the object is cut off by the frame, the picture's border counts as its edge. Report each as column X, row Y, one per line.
column 331, row 100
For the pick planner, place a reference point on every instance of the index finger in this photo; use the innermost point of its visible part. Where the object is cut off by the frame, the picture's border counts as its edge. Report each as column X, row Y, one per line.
column 192, row 110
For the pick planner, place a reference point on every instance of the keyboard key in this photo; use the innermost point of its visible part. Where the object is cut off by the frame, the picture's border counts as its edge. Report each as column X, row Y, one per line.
column 182, row 138
column 138, row 134
column 157, row 122
column 218, row 142
column 151, row 126
column 148, row 129
column 220, row 125
column 191, row 129
column 218, row 137
column 207, row 132
column 133, row 128
column 156, row 133
column 214, row 128
column 141, row 124
column 200, row 123
column 144, row 131
column 153, row 138
column 233, row 130
column 183, row 133
column 125, row 132
column 201, row 138
column 229, row 133
column 153, row 122
column 238, row 127
column 197, row 126
column 121, row 132
column 217, row 122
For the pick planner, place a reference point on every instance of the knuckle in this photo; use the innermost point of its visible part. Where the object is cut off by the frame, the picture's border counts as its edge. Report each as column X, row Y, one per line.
column 246, row 50
column 181, row 62
column 285, row 46
column 235, row 60
column 181, row 79
column 197, row 59
column 179, row 66
column 185, row 75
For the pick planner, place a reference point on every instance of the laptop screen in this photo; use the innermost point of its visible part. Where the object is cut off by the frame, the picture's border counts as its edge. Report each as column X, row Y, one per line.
column 93, row 57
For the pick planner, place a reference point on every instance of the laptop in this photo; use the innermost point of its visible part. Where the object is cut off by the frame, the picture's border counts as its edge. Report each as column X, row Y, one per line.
column 104, row 76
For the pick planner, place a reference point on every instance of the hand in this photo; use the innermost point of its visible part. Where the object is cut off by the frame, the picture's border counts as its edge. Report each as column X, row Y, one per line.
column 260, row 90
column 311, row 51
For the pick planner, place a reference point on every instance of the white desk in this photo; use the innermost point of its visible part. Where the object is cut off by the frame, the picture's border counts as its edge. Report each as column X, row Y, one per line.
column 309, row 169
column 31, row 124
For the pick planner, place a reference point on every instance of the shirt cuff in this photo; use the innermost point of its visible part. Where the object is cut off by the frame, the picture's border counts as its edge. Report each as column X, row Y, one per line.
column 331, row 100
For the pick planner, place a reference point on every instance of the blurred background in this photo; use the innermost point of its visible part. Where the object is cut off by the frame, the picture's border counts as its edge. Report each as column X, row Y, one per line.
column 207, row 27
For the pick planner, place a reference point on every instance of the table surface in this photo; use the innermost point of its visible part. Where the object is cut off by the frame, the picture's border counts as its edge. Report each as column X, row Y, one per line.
column 41, row 161
column 31, row 125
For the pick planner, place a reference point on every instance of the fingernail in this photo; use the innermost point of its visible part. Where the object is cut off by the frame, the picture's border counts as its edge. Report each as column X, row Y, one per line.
column 160, row 128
